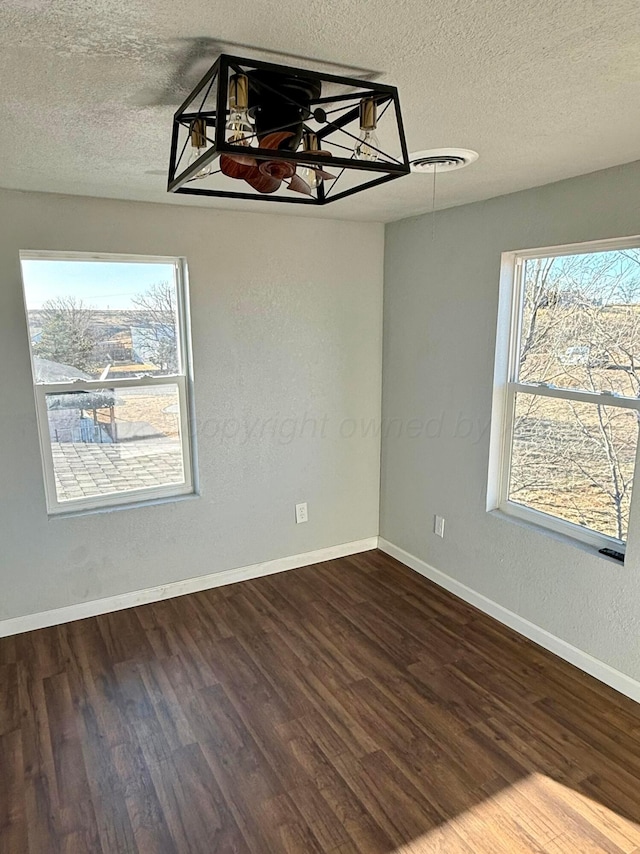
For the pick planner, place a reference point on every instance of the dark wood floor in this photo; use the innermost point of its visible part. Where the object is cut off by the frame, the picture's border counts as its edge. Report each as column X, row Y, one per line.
column 346, row 707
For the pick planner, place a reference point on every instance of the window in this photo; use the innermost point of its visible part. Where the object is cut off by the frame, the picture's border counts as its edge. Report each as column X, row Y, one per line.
column 109, row 354
column 567, row 395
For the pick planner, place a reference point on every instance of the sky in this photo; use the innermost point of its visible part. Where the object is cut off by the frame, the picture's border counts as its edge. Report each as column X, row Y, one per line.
column 611, row 276
column 99, row 284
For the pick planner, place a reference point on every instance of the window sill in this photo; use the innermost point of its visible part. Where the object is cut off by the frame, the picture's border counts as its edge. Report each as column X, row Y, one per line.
column 113, row 508
column 567, row 539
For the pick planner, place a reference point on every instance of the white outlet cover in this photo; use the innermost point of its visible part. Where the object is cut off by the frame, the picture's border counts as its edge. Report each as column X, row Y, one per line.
column 302, row 514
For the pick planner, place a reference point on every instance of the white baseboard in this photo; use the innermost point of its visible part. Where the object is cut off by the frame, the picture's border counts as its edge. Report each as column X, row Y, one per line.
column 17, row 625
column 583, row 660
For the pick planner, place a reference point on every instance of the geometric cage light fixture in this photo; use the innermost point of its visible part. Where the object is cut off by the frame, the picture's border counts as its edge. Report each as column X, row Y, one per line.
column 257, row 130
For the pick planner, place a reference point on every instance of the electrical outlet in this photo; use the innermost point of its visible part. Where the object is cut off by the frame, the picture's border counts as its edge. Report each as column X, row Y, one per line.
column 301, row 513
column 438, row 526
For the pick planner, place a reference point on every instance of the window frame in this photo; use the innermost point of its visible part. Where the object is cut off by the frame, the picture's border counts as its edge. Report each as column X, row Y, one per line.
column 183, row 382
column 506, row 387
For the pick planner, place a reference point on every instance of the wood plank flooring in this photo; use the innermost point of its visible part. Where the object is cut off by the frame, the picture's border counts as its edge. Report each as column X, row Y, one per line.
column 350, row 706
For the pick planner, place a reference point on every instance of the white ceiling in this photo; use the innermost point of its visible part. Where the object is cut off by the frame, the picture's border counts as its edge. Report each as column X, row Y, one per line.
column 543, row 90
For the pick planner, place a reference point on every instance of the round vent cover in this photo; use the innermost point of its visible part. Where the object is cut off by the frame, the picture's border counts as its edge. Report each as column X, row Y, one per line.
column 441, row 159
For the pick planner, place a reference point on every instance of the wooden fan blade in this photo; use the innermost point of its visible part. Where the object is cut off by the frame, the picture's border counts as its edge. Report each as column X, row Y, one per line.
column 273, row 140
column 244, row 159
column 230, row 167
column 299, row 185
column 262, row 183
column 277, row 168
column 326, row 176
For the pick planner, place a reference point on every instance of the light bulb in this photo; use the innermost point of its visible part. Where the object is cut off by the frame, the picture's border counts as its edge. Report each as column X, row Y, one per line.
column 198, row 138
column 239, row 128
column 309, row 173
column 310, row 176
column 365, row 147
column 193, row 156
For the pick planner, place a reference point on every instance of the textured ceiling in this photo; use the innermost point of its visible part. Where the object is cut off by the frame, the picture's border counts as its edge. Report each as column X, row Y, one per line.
column 542, row 90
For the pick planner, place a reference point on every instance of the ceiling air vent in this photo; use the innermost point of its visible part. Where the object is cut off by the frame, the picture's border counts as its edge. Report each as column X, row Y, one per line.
column 441, row 159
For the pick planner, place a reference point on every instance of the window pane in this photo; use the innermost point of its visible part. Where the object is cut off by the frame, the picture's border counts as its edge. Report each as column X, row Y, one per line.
column 581, row 322
column 107, row 442
column 574, row 461
column 98, row 319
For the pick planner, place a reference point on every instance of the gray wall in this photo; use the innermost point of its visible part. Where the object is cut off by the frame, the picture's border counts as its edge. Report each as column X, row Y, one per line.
column 287, row 328
column 440, row 312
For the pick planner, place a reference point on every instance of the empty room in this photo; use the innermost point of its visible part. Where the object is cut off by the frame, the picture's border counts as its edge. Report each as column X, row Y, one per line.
column 318, row 528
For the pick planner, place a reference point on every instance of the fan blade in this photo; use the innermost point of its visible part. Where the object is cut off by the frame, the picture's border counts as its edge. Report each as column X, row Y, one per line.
column 232, row 168
column 326, row 176
column 262, row 183
column 273, row 140
column 299, row 185
column 277, row 168
column 244, row 159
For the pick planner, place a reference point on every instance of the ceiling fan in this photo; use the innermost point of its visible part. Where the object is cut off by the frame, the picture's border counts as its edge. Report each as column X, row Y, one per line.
column 252, row 129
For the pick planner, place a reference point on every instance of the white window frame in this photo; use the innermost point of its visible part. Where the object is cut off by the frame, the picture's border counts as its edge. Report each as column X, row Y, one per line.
column 183, row 382
column 506, row 387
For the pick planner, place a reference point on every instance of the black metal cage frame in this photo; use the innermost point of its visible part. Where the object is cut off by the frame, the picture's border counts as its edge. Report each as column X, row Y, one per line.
column 388, row 168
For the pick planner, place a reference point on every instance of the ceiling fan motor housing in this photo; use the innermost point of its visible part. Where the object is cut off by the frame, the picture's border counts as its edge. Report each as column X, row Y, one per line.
column 282, row 102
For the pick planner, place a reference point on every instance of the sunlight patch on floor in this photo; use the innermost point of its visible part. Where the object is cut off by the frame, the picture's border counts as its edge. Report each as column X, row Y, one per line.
column 533, row 814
